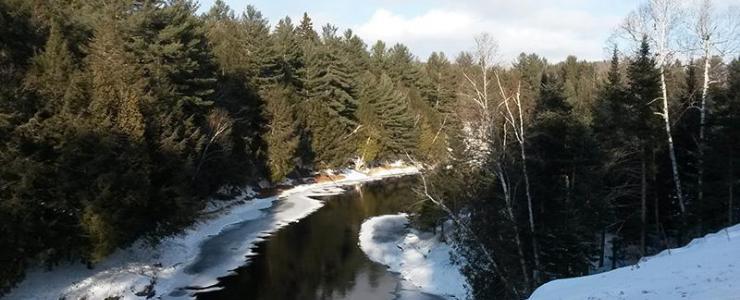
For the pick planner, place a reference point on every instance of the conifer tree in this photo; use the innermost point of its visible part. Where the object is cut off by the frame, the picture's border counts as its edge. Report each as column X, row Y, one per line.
column 305, row 31
column 288, row 55
column 439, row 71
column 564, row 157
column 388, row 125
column 330, row 105
column 281, row 137
column 262, row 56
column 644, row 89
column 50, row 71
column 378, row 57
column 118, row 86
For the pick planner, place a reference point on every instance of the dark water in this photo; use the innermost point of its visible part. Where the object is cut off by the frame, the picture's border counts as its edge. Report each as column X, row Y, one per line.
column 319, row 257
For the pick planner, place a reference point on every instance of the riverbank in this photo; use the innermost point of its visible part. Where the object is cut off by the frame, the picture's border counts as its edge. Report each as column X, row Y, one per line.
column 176, row 264
column 419, row 257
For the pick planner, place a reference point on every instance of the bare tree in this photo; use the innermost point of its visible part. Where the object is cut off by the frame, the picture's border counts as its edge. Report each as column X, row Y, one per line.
column 476, row 91
column 502, row 176
column 493, row 140
column 711, row 34
column 488, row 255
column 516, row 121
column 658, row 20
column 219, row 124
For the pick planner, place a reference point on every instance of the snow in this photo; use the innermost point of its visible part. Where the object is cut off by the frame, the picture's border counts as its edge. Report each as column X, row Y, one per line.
column 419, row 258
column 197, row 257
column 707, row 268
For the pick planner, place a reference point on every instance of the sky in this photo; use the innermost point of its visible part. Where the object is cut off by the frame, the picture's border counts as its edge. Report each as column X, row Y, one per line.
column 553, row 29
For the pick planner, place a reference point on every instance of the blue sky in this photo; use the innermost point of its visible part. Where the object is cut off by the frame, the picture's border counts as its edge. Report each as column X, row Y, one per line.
column 553, row 29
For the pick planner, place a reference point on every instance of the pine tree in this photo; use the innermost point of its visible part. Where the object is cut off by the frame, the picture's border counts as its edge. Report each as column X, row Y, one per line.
column 281, row 137
column 384, row 114
column 261, row 60
column 238, row 45
column 439, row 71
column 355, row 50
column 564, row 157
column 579, row 86
column 401, row 65
column 118, row 86
column 644, row 89
column 643, row 93
column 288, row 55
column 725, row 148
column 378, row 57
column 330, row 105
column 50, row 71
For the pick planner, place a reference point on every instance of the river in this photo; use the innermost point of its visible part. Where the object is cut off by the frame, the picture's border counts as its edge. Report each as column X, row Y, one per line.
column 318, row 257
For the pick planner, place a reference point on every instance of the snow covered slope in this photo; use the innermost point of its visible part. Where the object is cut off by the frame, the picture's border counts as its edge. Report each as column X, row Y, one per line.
column 420, row 258
column 196, row 258
column 707, row 268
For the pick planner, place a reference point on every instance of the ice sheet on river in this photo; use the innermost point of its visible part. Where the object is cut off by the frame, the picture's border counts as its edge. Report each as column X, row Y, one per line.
column 196, row 258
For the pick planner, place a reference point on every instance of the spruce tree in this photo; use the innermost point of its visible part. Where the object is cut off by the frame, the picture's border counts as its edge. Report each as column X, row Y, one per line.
column 378, row 57
column 305, row 32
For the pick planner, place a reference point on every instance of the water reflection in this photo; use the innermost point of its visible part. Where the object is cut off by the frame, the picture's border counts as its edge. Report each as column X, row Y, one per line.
column 319, row 257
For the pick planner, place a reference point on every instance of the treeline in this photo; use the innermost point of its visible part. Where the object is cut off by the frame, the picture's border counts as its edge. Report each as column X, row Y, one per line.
column 118, row 119
column 567, row 168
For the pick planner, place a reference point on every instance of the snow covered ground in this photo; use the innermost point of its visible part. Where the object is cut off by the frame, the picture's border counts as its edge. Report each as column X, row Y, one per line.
column 707, row 268
column 195, row 258
column 419, row 257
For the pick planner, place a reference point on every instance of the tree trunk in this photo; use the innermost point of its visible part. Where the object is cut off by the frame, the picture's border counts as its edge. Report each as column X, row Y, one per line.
column 671, row 148
column 615, row 253
column 467, row 230
column 702, row 128
column 603, row 247
column 535, row 247
column 643, row 201
column 517, row 233
column 731, row 181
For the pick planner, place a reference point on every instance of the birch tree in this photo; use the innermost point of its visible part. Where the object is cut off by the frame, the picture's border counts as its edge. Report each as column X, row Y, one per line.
column 510, row 109
column 711, row 34
column 487, row 138
column 514, row 117
column 658, row 20
column 476, row 91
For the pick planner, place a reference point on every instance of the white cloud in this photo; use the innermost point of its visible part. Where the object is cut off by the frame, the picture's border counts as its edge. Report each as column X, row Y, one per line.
column 435, row 24
column 551, row 30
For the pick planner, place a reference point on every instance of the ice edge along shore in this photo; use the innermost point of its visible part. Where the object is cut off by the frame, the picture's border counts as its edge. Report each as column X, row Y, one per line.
column 162, row 270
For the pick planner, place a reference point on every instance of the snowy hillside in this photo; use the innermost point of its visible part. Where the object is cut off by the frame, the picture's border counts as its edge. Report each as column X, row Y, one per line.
column 707, row 268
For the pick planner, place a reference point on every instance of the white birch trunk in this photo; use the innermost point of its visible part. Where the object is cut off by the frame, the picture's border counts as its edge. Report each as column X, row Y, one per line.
column 702, row 126
column 671, row 147
column 510, row 212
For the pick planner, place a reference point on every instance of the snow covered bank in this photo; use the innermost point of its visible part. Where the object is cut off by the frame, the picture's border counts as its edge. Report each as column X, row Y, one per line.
column 707, row 268
column 419, row 257
column 196, row 258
